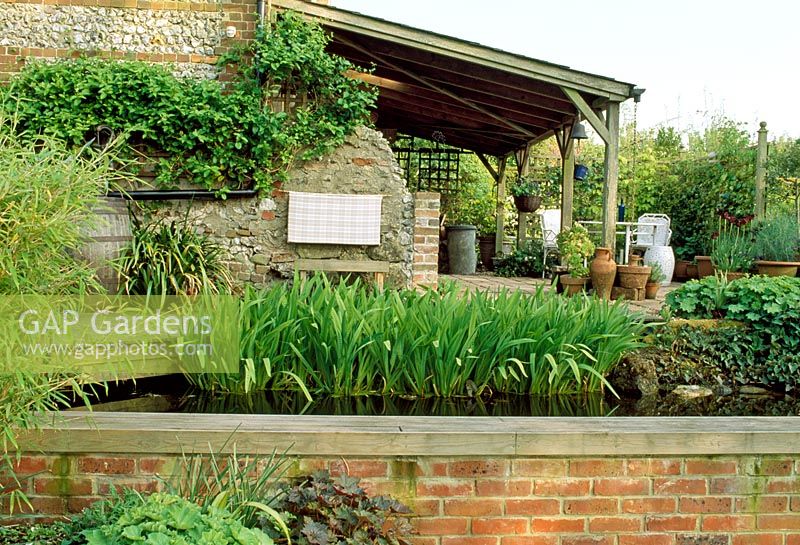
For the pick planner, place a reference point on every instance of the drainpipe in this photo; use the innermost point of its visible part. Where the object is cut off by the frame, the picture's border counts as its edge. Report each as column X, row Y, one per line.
column 261, row 10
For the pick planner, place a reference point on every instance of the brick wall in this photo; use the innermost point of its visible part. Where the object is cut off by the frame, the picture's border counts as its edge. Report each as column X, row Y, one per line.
column 732, row 500
column 426, row 239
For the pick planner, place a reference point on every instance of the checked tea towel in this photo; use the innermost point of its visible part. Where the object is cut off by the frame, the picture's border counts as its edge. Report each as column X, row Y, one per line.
column 323, row 218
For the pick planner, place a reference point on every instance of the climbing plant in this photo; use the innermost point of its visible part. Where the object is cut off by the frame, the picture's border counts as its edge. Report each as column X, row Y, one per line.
column 217, row 136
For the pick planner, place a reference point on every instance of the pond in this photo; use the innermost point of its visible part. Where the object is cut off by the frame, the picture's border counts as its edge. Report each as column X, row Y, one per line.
column 174, row 395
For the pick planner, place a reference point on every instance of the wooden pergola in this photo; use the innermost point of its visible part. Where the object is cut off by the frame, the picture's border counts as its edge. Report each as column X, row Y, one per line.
column 482, row 99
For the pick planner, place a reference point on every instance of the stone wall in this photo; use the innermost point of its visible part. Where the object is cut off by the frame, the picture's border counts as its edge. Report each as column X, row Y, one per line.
column 255, row 230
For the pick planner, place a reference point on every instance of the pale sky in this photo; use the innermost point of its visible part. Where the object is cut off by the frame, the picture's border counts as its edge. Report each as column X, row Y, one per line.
column 696, row 58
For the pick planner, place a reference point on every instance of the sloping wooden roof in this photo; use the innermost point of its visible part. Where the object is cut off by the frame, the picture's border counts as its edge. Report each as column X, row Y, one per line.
column 477, row 97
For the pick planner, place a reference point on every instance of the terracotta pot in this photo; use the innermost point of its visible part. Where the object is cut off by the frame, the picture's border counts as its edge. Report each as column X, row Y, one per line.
column 486, row 247
column 704, row 266
column 603, row 270
column 527, row 203
column 731, row 275
column 573, row 285
column 633, row 276
column 681, row 270
column 691, row 271
column 651, row 290
column 777, row 268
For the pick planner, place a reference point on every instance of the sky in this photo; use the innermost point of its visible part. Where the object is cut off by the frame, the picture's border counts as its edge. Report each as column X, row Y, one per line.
column 696, row 58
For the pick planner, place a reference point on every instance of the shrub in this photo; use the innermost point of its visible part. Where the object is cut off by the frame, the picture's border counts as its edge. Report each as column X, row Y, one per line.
column 777, row 238
column 164, row 519
column 525, row 261
column 171, row 259
column 322, row 510
column 348, row 340
column 47, row 196
column 768, row 306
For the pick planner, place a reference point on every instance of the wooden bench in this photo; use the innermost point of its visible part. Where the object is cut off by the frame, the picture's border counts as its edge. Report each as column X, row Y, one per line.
column 378, row 268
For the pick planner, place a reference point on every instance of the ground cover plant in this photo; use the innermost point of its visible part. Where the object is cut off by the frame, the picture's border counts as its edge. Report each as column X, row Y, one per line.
column 766, row 349
column 215, row 136
column 340, row 339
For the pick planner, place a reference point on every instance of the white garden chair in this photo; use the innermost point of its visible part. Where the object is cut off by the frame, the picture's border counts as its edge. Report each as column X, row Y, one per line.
column 551, row 227
column 651, row 230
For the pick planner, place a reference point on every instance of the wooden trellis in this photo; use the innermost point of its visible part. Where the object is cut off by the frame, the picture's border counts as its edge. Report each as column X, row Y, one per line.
column 432, row 167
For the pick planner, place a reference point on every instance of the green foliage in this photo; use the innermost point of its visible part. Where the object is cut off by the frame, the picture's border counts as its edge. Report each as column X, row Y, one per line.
column 164, row 519
column 733, row 249
column 100, row 513
column 656, row 273
column 322, row 510
column 769, row 306
column 525, row 261
column 474, row 203
column 777, row 238
column 243, row 485
column 171, row 259
column 217, row 137
column 38, row 534
column 348, row 340
column 575, row 247
column 527, row 186
column 47, row 196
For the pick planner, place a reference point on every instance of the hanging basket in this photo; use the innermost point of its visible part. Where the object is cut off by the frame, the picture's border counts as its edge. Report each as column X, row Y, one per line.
column 581, row 172
column 527, row 203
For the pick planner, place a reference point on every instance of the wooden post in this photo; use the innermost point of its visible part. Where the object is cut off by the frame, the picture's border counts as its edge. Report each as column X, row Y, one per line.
column 761, row 172
column 567, row 181
column 523, row 166
column 501, row 205
column 611, row 171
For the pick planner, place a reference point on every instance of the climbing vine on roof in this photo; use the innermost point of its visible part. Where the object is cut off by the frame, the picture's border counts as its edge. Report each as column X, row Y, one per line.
column 289, row 100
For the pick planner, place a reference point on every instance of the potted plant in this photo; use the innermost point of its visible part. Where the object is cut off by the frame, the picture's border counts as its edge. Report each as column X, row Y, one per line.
column 732, row 251
column 575, row 248
column 777, row 245
column 528, row 194
column 654, row 281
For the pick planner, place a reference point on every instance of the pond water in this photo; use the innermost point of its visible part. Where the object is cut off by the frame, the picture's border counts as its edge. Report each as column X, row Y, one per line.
column 173, row 394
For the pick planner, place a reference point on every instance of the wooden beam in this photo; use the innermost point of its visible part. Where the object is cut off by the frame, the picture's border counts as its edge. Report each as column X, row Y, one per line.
column 611, row 171
column 440, row 113
column 464, row 76
column 538, row 117
column 442, row 90
column 461, row 50
column 588, row 113
column 500, row 209
column 523, row 167
column 489, row 167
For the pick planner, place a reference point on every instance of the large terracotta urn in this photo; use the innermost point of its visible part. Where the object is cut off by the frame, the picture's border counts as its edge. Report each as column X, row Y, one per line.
column 603, row 270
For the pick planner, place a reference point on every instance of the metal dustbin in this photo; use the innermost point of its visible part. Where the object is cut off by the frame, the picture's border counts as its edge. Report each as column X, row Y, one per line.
column 461, row 249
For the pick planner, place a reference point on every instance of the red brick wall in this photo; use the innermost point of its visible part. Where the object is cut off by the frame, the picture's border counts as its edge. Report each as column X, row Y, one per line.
column 515, row 501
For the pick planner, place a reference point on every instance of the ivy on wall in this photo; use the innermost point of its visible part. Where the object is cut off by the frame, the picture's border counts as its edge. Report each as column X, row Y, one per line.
column 217, row 136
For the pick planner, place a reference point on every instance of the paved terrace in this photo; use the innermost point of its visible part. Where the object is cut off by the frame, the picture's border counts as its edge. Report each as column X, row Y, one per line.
column 492, row 283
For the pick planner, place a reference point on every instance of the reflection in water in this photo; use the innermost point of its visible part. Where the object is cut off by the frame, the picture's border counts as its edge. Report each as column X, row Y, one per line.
column 296, row 403
column 158, row 395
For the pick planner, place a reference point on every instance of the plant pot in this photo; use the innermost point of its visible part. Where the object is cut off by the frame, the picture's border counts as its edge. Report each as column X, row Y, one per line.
column 734, row 275
column 704, row 266
column 778, row 268
column 603, row 270
column 461, row 249
column 651, row 290
column 573, row 285
column 486, row 248
column 681, row 270
column 665, row 257
column 633, row 276
column 581, row 172
column 527, row 203
column 691, row 271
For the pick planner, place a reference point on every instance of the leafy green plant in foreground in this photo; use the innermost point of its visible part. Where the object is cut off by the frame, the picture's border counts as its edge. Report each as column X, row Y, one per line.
column 164, row 519
column 349, row 340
